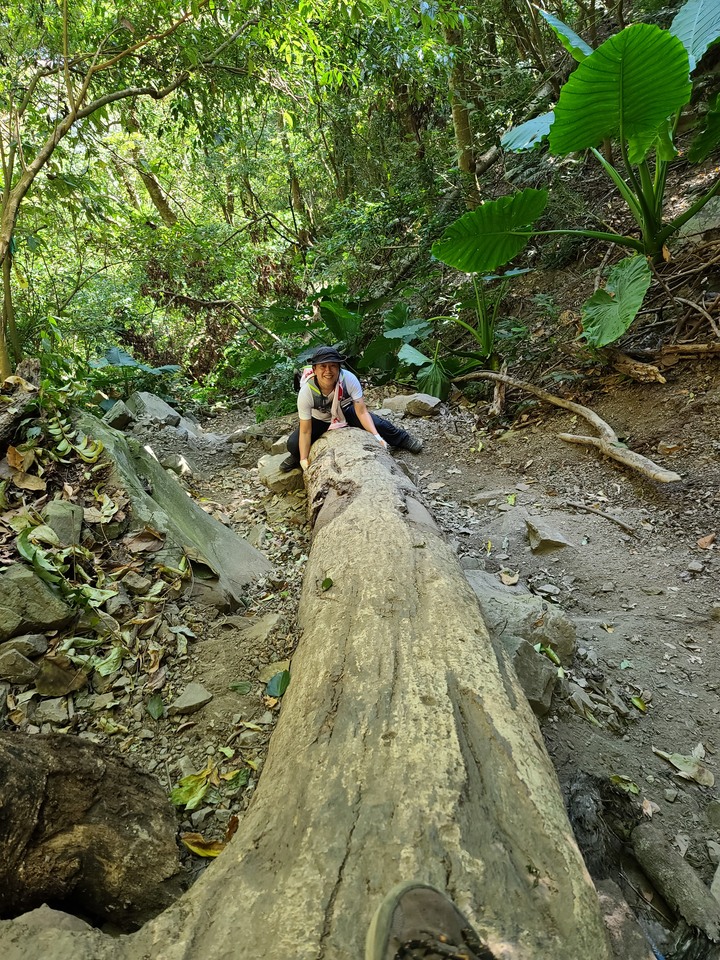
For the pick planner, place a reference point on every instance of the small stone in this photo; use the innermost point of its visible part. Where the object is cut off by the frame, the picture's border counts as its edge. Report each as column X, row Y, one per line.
column 136, row 584
column 30, row 645
column 712, row 812
column 607, row 587
column 17, row 668
column 713, row 851
column 543, row 536
column 715, row 611
column 192, row 699
column 696, row 566
column 52, row 711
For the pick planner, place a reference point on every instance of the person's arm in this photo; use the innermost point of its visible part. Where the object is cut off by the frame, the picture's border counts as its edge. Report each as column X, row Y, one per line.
column 363, row 415
column 304, row 442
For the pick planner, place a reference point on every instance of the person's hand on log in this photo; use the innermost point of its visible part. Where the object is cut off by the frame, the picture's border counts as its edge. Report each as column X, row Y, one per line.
column 383, row 443
column 304, row 465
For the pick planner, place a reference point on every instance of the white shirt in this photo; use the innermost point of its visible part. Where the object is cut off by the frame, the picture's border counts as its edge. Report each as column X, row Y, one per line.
column 305, row 402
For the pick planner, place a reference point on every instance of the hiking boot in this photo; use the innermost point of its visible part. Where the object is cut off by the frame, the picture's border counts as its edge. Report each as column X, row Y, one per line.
column 413, row 444
column 288, row 464
column 417, row 922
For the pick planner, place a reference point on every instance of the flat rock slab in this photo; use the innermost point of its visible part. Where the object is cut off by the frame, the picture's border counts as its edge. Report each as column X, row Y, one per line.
column 193, row 698
column 148, row 407
column 161, row 503
column 415, row 404
column 270, row 474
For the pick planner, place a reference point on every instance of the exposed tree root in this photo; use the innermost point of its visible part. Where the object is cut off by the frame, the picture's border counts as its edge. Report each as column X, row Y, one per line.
column 607, row 443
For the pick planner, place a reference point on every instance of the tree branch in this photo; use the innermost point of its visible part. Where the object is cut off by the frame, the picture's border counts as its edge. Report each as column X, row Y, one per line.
column 608, row 442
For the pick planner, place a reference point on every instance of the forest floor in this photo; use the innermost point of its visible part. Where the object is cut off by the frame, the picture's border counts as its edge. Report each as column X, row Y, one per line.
column 644, row 596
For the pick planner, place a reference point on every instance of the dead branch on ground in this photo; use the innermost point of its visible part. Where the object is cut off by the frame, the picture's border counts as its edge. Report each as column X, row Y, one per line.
column 608, row 441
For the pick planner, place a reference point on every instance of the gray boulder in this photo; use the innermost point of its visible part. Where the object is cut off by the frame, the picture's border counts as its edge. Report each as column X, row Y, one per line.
column 27, row 605
column 149, row 408
column 118, row 416
column 524, row 615
column 415, row 404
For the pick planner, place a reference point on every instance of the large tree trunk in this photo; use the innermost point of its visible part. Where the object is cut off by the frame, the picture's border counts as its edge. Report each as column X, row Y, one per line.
column 405, row 749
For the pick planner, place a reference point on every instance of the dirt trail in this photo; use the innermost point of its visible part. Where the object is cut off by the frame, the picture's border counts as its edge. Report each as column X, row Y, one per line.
column 642, row 593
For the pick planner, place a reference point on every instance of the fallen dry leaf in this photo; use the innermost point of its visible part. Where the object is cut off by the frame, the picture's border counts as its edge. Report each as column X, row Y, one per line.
column 27, row 481
column 649, row 808
column 509, row 578
column 705, row 543
column 202, row 847
column 689, row 768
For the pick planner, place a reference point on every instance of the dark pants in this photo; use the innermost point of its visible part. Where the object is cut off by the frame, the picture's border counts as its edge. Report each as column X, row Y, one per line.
column 395, row 436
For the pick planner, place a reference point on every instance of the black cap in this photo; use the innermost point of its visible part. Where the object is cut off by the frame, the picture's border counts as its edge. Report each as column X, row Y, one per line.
column 326, row 355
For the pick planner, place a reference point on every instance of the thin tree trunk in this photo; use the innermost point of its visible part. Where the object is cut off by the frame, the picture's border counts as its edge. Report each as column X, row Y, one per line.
column 458, row 99
column 8, row 313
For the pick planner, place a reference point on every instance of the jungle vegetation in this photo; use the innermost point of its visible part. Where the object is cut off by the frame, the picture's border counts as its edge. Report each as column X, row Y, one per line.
column 191, row 195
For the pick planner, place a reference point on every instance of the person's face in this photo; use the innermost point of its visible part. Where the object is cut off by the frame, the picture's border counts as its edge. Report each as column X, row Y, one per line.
column 327, row 375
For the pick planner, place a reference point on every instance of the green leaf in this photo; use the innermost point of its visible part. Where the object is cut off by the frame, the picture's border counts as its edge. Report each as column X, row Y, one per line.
column 412, row 357
column 379, row 354
column 432, row 379
column 278, row 684
column 625, row 89
column 242, row 686
column 418, row 330
column 709, row 137
column 528, row 135
column 155, row 706
column 494, row 233
column 575, row 45
column 191, row 791
column 112, row 662
column 609, row 312
column 327, row 583
column 625, row 783
column 697, row 26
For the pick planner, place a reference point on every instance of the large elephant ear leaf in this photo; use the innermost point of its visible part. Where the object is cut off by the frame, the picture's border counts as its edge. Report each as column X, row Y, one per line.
column 709, row 137
column 494, row 233
column 625, row 89
column 528, row 135
column 609, row 312
column 697, row 25
column 575, row 45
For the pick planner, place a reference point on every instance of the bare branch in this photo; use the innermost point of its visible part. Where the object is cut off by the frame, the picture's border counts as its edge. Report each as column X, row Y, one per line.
column 608, row 441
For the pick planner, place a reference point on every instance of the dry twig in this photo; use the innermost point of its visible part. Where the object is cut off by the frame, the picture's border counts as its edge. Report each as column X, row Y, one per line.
column 607, row 443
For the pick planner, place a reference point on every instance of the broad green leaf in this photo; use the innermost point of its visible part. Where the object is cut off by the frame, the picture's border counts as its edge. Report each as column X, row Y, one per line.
column 709, row 137
column 155, row 706
column 494, row 233
column 528, row 135
column 399, row 316
column 242, row 686
column 432, row 379
column 413, row 331
column 379, row 354
column 609, row 312
column 412, row 357
column 697, row 25
column 575, row 45
column 625, row 89
column 327, row 583
column 278, row 684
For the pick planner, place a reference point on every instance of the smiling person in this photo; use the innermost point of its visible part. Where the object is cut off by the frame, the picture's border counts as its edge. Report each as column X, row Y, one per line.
column 330, row 398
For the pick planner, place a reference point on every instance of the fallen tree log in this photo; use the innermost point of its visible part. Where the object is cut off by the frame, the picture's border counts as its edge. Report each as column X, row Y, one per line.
column 405, row 749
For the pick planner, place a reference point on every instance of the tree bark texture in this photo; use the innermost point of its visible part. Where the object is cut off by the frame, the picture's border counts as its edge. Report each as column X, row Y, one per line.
column 405, row 749
column 84, row 831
